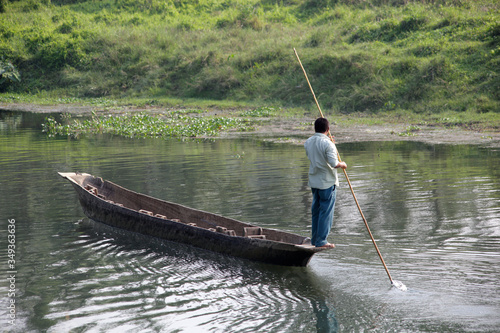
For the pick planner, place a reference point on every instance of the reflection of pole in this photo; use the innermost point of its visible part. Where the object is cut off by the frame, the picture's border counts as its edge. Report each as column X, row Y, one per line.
column 345, row 173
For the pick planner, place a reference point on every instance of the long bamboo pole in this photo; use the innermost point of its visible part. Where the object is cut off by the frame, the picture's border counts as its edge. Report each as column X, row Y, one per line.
column 345, row 173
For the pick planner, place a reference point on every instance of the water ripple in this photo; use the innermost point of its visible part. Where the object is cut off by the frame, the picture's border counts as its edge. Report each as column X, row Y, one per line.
column 171, row 287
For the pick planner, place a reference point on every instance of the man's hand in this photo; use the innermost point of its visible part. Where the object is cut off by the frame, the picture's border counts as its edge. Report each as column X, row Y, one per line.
column 341, row 165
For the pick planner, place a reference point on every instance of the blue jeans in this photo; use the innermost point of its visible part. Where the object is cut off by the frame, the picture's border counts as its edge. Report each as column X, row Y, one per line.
column 322, row 209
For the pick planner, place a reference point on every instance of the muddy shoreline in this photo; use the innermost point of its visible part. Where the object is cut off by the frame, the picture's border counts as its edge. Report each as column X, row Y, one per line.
column 296, row 130
column 287, row 131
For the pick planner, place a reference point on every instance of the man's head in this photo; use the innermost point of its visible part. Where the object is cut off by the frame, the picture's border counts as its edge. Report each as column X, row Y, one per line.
column 321, row 125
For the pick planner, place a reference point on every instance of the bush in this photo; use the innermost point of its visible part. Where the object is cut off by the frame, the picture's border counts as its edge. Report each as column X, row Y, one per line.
column 388, row 30
column 8, row 74
column 412, row 23
column 59, row 51
column 493, row 34
column 3, row 6
column 34, row 5
column 149, row 6
column 215, row 83
column 65, row 2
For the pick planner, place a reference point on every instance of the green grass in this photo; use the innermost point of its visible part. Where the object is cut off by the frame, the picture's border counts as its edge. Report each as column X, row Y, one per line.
column 54, row 98
column 361, row 56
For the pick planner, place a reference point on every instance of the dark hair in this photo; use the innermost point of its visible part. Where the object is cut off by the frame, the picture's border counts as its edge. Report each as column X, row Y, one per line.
column 321, row 125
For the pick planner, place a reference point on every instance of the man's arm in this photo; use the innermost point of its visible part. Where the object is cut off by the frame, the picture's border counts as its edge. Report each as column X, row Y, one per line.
column 332, row 156
column 341, row 165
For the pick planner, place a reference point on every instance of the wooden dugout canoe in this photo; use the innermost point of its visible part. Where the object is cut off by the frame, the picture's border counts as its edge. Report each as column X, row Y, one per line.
column 106, row 202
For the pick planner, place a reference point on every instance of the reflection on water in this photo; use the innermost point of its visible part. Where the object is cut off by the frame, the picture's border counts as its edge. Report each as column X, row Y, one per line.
column 175, row 287
column 433, row 209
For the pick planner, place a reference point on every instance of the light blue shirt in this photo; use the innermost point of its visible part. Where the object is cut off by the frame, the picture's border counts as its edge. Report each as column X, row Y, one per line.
column 322, row 154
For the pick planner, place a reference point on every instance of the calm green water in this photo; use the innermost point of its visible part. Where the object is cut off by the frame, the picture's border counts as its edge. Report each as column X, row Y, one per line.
column 434, row 210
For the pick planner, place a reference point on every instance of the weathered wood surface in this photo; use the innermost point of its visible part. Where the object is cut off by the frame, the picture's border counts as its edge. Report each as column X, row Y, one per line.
column 106, row 202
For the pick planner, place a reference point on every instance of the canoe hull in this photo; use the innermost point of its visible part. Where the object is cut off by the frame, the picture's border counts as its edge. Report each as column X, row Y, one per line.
column 263, row 250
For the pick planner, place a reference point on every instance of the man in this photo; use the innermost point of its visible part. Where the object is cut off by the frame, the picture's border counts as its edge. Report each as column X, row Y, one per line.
column 323, row 181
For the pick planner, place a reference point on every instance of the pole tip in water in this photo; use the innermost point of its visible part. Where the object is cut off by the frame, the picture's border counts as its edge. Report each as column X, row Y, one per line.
column 399, row 285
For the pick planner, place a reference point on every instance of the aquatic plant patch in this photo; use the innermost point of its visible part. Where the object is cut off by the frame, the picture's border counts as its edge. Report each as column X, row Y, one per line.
column 264, row 111
column 143, row 125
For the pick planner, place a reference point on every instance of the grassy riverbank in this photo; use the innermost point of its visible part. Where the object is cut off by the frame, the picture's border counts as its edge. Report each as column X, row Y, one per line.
column 361, row 56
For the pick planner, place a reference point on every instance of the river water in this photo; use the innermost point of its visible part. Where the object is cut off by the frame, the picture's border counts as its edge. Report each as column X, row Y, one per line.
column 433, row 209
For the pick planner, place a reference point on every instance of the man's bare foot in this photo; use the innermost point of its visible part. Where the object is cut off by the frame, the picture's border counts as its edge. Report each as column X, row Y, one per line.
column 327, row 246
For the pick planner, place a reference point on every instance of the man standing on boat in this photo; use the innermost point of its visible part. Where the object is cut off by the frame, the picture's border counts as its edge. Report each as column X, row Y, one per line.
column 323, row 181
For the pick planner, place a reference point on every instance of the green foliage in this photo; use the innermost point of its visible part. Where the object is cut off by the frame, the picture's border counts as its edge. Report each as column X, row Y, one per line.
column 264, row 111
column 150, row 6
column 8, row 74
column 360, row 55
column 410, row 131
column 142, row 125
column 57, row 52
column 389, row 29
column 493, row 34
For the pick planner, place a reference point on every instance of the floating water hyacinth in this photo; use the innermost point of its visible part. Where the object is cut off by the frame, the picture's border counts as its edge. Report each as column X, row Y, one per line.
column 143, row 125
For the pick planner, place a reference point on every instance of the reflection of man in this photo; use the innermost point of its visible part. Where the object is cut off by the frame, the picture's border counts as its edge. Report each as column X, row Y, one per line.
column 323, row 181
column 327, row 323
